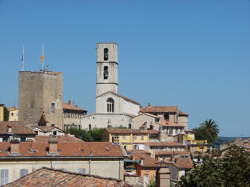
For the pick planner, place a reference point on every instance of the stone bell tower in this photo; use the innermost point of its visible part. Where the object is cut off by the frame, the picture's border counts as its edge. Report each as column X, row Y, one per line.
column 106, row 68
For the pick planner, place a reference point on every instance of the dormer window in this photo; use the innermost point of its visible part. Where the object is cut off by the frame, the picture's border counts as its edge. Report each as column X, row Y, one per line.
column 106, row 53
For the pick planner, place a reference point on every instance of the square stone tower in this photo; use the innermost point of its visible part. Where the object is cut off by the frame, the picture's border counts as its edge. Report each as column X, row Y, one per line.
column 41, row 92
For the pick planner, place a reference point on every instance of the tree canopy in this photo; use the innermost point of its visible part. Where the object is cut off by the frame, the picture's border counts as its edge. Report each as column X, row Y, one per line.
column 95, row 134
column 233, row 170
column 208, row 130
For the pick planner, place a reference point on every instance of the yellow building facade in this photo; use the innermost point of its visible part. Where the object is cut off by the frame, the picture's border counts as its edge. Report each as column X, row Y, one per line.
column 129, row 138
column 13, row 114
column 1, row 112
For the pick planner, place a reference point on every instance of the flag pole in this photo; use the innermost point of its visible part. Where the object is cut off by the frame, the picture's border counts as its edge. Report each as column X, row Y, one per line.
column 42, row 58
column 22, row 59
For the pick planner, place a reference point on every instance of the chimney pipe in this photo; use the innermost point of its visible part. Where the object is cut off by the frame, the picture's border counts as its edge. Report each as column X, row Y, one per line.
column 14, row 147
column 53, row 145
column 9, row 129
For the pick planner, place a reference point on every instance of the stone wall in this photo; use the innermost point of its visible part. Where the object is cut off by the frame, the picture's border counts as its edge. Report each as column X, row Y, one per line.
column 41, row 92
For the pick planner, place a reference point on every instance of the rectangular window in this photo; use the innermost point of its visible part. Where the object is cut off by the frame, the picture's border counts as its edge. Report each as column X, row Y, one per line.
column 23, row 139
column 23, row 172
column 4, row 176
column 53, row 107
column 81, row 170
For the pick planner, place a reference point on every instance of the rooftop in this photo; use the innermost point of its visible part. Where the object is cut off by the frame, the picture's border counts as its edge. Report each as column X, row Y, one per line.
column 167, row 144
column 130, row 131
column 71, row 106
column 15, row 127
column 53, row 177
column 67, row 146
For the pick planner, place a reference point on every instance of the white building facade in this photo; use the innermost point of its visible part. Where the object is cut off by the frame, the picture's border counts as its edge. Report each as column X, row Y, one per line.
column 112, row 109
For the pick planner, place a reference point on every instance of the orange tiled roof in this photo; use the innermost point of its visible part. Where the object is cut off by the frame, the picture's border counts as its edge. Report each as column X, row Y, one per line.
column 167, row 143
column 125, row 98
column 54, row 177
column 68, row 146
column 168, row 124
column 139, row 154
column 130, row 131
column 160, row 109
column 160, row 153
column 184, row 163
column 16, row 128
column 70, row 106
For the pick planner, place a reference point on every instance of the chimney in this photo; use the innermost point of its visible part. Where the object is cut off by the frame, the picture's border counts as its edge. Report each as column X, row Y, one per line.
column 14, row 147
column 69, row 101
column 53, row 145
column 9, row 129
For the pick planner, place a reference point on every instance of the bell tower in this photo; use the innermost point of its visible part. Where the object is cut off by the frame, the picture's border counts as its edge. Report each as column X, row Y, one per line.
column 106, row 68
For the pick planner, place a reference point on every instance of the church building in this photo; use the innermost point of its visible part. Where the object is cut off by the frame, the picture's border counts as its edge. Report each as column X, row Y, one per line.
column 112, row 109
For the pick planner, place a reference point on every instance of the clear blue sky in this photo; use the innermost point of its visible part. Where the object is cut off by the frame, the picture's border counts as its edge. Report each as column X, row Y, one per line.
column 194, row 54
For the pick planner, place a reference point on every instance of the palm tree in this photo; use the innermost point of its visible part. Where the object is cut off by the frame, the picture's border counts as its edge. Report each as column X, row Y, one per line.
column 211, row 129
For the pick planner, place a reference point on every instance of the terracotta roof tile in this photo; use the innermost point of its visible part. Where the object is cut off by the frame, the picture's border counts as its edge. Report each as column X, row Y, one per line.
column 184, row 163
column 160, row 109
column 161, row 153
column 167, row 143
column 70, row 106
column 52, row 177
column 16, row 128
column 67, row 146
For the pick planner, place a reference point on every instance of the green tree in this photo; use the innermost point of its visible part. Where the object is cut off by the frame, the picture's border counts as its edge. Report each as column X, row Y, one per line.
column 231, row 171
column 94, row 134
column 208, row 130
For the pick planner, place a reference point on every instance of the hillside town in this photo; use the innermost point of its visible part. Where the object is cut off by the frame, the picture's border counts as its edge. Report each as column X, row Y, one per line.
column 140, row 145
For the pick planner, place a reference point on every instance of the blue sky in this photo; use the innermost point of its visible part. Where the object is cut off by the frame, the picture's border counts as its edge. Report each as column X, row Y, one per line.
column 194, row 54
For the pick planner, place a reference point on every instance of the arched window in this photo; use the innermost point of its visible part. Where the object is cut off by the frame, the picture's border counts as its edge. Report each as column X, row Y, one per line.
column 106, row 53
column 105, row 72
column 110, row 105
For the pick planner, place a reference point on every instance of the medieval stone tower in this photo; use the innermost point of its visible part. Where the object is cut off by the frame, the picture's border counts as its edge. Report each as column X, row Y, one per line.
column 107, row 68
column 41, row 92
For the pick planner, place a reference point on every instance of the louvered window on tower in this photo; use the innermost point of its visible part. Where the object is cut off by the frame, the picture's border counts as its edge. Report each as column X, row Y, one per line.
column 106, row 53
column 106, row 72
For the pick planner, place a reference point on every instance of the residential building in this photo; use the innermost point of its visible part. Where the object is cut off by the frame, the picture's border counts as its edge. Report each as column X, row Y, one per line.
column 10, row 130
column 41, row 92
column 72, row 115
column 179, row 167
column 3, row 113
column 195, row 146
column 112, row 109
column 50, row 177
column 129, row 138
column 145, row 121
column 60, row 152
column 156, row 147
column 13, row 113
column 47, row 131
column 170, row 155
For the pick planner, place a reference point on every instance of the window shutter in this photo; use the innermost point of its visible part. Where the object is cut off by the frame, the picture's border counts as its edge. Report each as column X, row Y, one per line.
column 4, row 176
column 23, row 172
